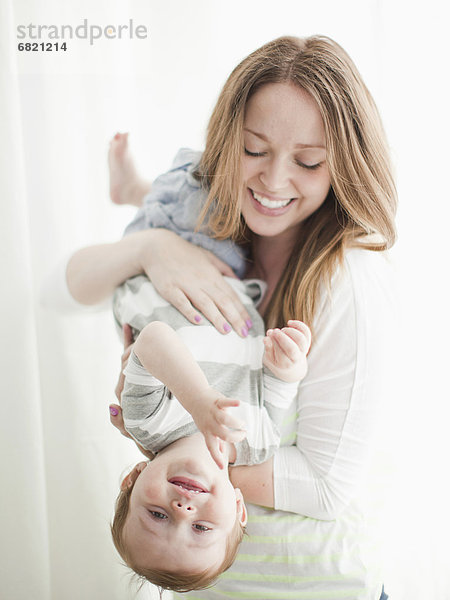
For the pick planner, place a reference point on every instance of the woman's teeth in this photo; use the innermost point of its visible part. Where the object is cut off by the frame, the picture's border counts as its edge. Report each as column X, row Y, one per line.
column 270, row 203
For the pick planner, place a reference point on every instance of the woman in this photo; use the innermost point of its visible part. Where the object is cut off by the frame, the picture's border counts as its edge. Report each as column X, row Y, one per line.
column 296, row 172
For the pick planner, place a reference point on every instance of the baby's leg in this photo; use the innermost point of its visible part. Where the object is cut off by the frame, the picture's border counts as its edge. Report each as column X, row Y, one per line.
column 125, row 184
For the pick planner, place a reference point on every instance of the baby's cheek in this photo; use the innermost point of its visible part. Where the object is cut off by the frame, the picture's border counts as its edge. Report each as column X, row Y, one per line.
column 151, row 490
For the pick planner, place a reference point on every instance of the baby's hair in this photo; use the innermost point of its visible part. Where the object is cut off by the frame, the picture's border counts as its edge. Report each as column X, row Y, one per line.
column 168, row 580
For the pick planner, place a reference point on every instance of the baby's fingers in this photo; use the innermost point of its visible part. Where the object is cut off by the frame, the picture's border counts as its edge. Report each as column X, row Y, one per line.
column 227, row 419
column 226, row 402
column 284, row 346
column 215, row 446
column 300, row 340
column 304, row 330
column 228, row 426
column 232, row 435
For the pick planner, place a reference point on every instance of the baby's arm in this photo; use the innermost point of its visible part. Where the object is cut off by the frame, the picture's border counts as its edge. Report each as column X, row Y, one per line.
column 285, row 351
column 164, row 355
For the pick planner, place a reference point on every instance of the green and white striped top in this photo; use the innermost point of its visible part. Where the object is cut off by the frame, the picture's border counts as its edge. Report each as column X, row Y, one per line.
column 315, row 545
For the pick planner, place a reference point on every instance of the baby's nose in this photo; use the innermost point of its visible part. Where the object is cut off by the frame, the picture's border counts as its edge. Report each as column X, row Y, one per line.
column 183, row 505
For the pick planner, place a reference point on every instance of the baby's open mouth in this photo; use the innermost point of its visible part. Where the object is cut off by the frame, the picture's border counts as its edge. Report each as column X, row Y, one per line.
column 189, row 484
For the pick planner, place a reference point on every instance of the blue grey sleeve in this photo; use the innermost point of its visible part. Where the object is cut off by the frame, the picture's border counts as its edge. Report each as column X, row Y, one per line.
column 175, row 202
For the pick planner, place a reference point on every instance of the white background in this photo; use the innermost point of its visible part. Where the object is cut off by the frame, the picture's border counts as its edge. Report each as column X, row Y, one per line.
column 61, row 460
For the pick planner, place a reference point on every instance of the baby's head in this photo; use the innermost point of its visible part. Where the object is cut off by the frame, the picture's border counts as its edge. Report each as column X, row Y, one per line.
column 178, row 520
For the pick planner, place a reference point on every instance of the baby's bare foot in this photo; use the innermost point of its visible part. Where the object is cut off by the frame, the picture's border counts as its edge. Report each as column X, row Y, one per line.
column 125, row 185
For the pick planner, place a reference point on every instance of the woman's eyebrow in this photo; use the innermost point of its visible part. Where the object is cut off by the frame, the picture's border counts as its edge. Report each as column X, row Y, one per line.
column 299, row 145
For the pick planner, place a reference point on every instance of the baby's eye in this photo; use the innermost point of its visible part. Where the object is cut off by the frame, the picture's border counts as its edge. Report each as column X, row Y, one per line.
column 157, row 515
column 201, row 527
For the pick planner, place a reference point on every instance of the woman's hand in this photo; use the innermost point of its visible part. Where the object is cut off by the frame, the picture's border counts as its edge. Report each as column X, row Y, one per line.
column 128, row 343
column 115, row 410
column 191, row 279
column 188, row 277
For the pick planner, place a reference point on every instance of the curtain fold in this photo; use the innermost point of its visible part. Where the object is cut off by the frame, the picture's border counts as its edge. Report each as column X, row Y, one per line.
column 25, row 567
column 61, row 459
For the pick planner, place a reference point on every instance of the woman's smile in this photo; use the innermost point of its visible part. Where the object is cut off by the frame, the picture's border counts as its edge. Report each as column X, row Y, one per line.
column 270, row 205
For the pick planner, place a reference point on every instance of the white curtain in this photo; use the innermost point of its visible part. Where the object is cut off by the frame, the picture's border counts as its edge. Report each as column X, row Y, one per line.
column 61, row 460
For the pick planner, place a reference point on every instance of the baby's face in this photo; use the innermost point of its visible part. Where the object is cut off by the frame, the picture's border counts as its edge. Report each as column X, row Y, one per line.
column 182, row 510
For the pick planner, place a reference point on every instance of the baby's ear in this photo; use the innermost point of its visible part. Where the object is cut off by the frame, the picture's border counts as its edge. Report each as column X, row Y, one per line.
column 130, row 479
column 240, row 506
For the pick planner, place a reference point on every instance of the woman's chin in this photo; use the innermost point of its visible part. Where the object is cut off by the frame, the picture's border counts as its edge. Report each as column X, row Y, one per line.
column 266, row 226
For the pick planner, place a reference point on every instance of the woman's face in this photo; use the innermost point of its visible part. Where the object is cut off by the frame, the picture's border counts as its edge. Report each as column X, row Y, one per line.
column 284, row 165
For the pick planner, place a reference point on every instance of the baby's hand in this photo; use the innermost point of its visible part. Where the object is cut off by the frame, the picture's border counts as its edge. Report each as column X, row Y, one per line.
column 218, row 425
column 285, row 351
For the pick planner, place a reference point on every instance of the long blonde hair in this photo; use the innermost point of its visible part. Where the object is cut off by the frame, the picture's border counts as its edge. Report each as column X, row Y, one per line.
column 360, row 207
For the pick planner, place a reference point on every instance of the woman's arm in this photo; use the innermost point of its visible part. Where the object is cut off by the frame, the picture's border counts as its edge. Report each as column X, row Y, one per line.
column 93, row 273
column 339, row 403
column 188, row 277
column 255, row 482
column 340, row 399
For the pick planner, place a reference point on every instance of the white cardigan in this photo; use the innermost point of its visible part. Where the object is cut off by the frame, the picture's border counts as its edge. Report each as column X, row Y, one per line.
column 340, row 400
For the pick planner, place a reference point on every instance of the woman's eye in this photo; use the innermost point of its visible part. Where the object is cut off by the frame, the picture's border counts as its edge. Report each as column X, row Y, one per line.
column 297, row 162
column 201, row 527
column 157, row 515
column 310, row 167
column 253, row 153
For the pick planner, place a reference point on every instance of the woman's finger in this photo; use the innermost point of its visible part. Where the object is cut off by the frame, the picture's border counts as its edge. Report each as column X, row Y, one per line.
column 208, row 308
column 127, row 336
column 231, row 307
column 128, row 342
column 221, row 307
column 180, row 301
column 116, row 418
column 119, row 386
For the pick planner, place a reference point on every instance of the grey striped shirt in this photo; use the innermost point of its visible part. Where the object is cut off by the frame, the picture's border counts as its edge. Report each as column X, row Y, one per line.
column 232, row 365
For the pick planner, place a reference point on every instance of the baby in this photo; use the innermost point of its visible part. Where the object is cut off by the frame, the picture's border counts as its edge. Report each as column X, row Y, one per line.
column 189, row 393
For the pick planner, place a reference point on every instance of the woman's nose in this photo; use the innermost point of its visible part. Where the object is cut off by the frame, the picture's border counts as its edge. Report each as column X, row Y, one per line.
column 274, row 175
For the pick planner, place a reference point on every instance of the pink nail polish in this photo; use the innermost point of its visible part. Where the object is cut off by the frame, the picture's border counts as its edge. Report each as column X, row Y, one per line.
column 197, row 318
column 249, row 323
column 244, row 332
column 113, row 410
column 226, row 327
